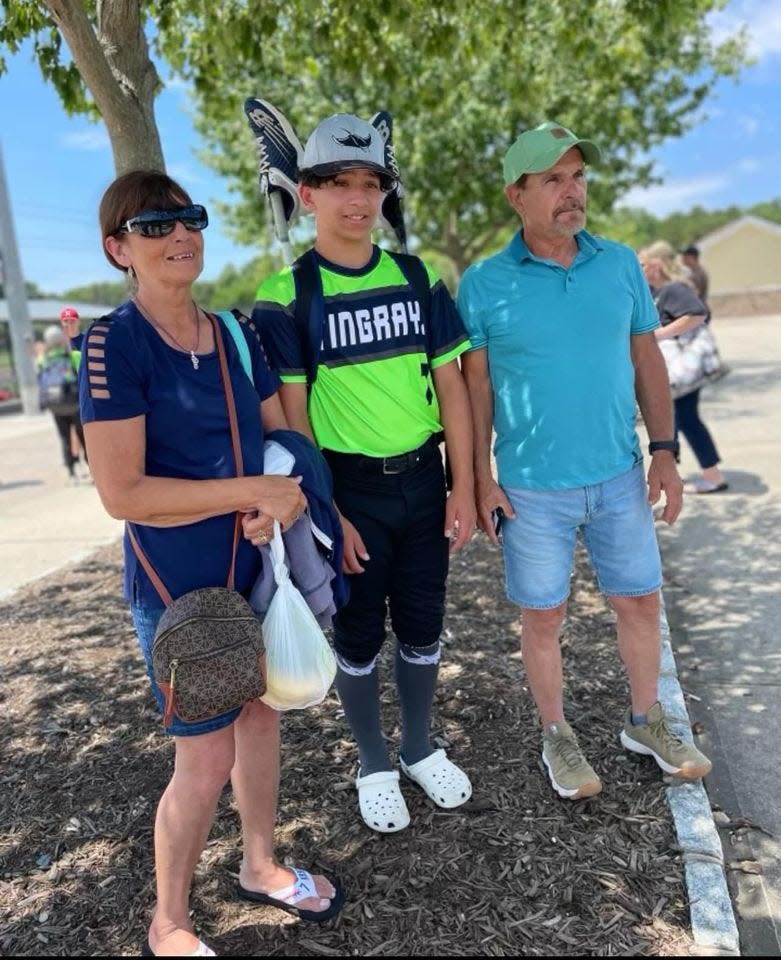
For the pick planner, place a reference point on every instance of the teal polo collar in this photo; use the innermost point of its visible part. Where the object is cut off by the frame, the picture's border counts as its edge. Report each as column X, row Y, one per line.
column 588, row 246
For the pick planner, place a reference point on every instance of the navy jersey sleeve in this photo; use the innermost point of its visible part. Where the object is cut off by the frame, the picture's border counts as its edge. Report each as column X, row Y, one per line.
column 274, row 316
column 447, row 334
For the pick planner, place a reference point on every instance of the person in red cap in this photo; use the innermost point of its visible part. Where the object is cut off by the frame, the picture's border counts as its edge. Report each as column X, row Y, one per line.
column 70, row 323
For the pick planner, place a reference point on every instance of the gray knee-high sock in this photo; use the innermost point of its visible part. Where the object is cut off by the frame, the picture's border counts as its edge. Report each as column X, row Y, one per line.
column 360, row 696
column 416, row 678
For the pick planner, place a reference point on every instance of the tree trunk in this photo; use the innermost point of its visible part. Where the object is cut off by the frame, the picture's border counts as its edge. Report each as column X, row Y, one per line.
column 113, row 60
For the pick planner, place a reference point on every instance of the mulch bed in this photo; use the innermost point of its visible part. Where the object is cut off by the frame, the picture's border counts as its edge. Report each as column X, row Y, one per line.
column 515, row 871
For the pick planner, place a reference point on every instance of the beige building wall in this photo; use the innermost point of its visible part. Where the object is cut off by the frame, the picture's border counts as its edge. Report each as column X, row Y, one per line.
column 743, row 258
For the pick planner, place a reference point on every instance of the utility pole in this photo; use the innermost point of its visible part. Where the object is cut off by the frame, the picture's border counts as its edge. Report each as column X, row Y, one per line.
column 20, row 328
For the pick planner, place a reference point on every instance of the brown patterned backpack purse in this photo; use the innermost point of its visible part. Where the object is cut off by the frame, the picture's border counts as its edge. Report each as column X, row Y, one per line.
column 208, row 648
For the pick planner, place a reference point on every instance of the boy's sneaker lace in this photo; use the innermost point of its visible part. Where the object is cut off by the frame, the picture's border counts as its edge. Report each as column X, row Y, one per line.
column 656, row 739
column 569, row 771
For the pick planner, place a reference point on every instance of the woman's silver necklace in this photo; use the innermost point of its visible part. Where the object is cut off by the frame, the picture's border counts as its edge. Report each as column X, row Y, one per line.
column 195, row 361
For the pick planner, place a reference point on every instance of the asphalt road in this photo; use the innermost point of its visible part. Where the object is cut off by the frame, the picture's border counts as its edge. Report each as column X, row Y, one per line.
column 722, row 563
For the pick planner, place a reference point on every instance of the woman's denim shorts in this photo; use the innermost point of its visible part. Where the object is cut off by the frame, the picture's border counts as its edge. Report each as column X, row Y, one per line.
column 616, row 523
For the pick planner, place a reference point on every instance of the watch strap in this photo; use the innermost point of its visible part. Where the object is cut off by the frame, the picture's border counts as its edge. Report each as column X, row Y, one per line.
column 671, row 445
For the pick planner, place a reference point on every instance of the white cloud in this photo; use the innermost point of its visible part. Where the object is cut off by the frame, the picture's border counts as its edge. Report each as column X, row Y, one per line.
column 749, row 123
column 763, row 20
column 750, row 165
column 95, row 138
column 664, row 198
column 185, row 174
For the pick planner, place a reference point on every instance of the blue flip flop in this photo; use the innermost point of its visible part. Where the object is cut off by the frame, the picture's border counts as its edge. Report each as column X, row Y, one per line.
column 301, row 889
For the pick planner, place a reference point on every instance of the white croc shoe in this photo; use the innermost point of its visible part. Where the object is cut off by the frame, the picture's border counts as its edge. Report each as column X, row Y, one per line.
column 382, row 806
column 444, row 783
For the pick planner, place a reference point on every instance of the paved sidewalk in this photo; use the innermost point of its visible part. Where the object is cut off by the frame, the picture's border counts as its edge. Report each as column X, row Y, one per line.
column 722, row 565
column 44, row 522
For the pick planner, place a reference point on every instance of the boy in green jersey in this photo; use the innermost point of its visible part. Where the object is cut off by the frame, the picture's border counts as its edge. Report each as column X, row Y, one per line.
column 384, row 383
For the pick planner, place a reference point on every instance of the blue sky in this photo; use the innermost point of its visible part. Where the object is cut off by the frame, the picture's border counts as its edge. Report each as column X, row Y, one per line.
column 57, row 166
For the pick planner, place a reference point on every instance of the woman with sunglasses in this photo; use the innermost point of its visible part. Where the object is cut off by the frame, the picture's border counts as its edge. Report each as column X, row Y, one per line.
column 156, row 426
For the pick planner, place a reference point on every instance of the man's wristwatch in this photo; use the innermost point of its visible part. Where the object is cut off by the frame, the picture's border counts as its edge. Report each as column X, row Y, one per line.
column 671, row 445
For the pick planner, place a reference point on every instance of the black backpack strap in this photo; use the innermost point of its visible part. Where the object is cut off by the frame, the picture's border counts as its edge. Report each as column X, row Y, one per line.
column 416, row 275
column 310, row 311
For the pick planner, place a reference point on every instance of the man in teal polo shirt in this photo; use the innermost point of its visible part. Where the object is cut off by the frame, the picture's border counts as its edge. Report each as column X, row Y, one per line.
column 561, row 325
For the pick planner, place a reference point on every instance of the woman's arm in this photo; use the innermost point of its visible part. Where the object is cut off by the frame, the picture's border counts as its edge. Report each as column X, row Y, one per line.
column 116, row 451
column 683, row 324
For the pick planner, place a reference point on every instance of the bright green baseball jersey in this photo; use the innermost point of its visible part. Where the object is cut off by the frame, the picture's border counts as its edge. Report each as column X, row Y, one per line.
column 374, row 392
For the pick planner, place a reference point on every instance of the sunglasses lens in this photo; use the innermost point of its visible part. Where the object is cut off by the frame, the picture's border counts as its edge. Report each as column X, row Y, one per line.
column 155, row 228
column 159, row 223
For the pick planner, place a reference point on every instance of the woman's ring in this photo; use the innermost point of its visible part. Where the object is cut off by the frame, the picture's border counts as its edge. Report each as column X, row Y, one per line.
column 262, row 537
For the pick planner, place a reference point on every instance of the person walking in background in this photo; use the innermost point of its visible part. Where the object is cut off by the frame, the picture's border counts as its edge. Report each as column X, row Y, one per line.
column 562, row 330
column 157, row 426
column 681, row 312
column 58, row 393
column 71, row 327
column 697, row 273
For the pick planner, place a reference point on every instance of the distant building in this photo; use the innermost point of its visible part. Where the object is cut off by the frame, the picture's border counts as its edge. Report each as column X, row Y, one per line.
column 48, row 311
column 743, row 260
column 42, row 314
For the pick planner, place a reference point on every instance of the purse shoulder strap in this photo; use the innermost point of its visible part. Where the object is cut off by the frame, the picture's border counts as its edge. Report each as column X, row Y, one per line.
column 150, row 571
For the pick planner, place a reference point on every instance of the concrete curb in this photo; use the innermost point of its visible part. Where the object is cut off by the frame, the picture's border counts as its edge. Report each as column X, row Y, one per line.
column 713, row 923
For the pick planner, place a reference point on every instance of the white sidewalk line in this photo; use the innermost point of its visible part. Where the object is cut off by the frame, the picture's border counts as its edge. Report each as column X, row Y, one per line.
column 712, row 917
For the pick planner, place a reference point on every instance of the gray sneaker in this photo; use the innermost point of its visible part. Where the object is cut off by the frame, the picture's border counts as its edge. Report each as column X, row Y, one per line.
column 571, row 775
column 655, row 739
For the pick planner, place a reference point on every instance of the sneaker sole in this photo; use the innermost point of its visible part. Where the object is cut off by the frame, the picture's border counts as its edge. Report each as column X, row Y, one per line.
column 581, row 793
column 685, row 773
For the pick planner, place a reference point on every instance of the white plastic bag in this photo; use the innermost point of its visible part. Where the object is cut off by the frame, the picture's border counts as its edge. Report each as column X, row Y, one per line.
column 300, row 665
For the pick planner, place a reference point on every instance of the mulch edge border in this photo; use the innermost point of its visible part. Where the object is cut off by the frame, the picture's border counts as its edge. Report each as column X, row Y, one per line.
column 712, row 916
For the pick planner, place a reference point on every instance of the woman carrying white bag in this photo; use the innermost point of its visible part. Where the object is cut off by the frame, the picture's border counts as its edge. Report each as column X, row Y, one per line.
column 690, row 353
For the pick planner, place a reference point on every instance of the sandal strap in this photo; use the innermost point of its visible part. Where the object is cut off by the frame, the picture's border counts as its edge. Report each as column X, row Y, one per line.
column 433, row 760
column 375, row 779
column 301, row 889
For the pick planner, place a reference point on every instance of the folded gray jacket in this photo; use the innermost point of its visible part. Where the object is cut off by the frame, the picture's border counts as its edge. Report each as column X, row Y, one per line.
column 310, row 572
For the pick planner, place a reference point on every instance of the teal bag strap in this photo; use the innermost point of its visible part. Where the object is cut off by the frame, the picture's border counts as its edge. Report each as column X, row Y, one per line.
column 234, row 329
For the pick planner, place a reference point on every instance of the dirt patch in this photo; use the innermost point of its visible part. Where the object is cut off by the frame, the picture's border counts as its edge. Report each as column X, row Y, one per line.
column 515, row 871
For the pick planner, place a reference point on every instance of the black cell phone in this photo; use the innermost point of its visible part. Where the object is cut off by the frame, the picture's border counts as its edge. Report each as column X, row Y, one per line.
column 497, row 516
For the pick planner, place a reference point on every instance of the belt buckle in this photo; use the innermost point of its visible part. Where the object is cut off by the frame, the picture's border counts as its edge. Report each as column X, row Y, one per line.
column 393, row 465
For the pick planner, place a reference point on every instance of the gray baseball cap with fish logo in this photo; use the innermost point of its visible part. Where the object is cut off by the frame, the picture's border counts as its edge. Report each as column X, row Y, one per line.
column 344, row 142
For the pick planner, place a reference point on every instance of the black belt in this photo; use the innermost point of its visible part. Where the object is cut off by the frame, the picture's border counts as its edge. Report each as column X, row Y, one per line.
column 382, row 466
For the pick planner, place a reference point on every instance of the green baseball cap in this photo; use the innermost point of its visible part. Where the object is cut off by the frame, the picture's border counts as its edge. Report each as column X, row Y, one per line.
column 538, row 149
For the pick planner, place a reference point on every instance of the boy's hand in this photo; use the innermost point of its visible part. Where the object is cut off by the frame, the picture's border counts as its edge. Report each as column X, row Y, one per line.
column 354, row 549
column 460, row 518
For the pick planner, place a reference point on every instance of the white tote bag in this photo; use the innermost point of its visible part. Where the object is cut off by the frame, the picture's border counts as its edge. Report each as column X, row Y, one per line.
column 300, row 664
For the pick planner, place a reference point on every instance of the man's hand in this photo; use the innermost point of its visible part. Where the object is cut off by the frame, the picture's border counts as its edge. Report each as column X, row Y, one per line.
column 460, row 517
column 663, row 477
column 354, row 548
column 490, row 496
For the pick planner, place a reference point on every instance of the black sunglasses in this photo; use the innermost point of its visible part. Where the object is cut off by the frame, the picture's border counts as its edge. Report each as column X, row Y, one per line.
column 159, row 223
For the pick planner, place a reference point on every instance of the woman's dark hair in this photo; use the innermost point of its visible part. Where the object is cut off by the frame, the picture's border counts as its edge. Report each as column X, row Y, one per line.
column 133, row 193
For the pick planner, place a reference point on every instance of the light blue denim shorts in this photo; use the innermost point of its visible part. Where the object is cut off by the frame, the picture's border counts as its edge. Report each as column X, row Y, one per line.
column 146, row 620
column 617, row 525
